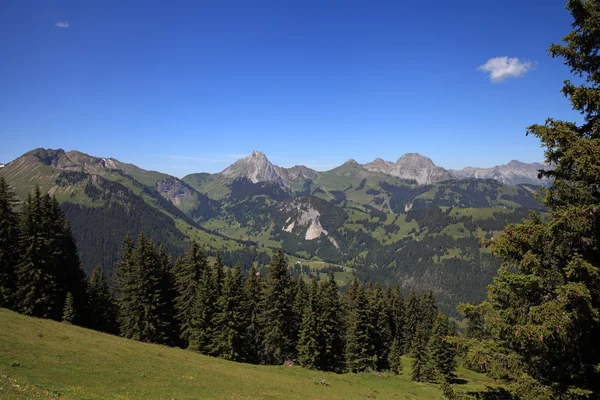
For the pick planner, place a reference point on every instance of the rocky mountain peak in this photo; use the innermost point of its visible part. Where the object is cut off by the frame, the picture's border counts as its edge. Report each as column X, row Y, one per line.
column 415, row 159
column 411, row 166
column 255, row 167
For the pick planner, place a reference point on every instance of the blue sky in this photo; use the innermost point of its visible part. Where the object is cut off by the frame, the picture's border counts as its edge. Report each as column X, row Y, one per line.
column 185, row 87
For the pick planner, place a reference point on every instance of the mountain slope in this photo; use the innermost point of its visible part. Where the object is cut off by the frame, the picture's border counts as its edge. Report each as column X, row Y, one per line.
column 411, row 166
column 513, row 173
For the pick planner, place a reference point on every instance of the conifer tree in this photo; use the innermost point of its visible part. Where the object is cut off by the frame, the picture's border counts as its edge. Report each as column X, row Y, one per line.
column 205, row 308
column 69, row 309
column 232, row 320
column 299, row 305
column 360, row 352
column 9, row 245
column 381, row 336
column 412, row 319
column 541, row 316
column 331, row 337
column 308, row 343
column 397, row 317
column 102, row 305
column 188, row 277
column 252, row 291
column 395, row 356
column 277, row 313
column 419, row 354
column 441, row 355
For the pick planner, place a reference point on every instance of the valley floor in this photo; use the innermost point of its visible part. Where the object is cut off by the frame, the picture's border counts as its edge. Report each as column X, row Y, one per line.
column 42, row 359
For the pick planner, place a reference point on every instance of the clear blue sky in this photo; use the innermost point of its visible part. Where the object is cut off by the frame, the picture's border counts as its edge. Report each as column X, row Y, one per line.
column 185, row 87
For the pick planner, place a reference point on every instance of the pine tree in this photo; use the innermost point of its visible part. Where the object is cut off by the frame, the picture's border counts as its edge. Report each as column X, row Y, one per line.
column 441, row 355
column 360, row 352
column 308, row 343
column 205, row 308
column 188, row 277
column 252, row 291
column 412, row 319
column 277, row 313
column 419, row 354
column 331, row 337
column 37, row 292
column 395, row 356
column 541, row 317
column 102, row 305
column 381, row 336
column 300, row 303
column 69, row 309
column 397, row 317
column 232, row 319
column 168, row 294
column 9, row 245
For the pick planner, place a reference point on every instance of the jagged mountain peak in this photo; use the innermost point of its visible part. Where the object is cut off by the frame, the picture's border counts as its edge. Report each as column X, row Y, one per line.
column 415, row 158
column 514, row 173
column 412, row 166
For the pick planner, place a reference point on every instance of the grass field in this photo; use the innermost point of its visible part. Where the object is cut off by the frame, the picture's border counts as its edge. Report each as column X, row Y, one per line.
column 46, row 359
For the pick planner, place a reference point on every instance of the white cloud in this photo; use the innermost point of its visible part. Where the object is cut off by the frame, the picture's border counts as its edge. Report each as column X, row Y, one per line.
column 501, row 68
column 62, row 24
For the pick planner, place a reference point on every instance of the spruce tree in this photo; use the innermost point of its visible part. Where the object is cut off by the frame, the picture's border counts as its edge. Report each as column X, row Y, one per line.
column 395, row 356
column 205, row 308
column 331, row 336
column 102, row 305
column 412, row 318
column 381, row 336
column 541, row 316
column 9, row 245
column 232, row 320
column 397, row 317
column 360, row 352
column 277, row 313
column 441, row 355
column 308, row 343
column 69, row 314
column 189, row 271
column 252, row 291
column 300, row 303
column 419, row 354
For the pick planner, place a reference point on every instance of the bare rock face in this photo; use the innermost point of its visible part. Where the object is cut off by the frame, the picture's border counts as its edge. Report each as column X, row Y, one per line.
column 255, row 167
column 513, row 173
column 411, row 166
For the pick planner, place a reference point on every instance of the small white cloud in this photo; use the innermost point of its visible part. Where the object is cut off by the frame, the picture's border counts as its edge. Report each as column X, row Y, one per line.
column 501, row 68
column 62, row 24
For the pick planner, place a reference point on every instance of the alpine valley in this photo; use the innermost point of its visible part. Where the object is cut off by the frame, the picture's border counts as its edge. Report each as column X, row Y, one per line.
column 408, row 222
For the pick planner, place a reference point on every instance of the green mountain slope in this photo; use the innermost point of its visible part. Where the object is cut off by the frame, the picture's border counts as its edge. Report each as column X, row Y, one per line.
column 46, row 359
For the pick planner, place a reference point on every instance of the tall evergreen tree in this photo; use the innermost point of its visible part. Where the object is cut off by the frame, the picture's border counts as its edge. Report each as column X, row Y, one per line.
column 542, row 314
column 69, row 314
column 441, row 355
column 412, row 319
column 300, row 303
column 308, row 343
column 188, row 277
column 9, row 245
column 331, row 335
column 102, row 305
column 277, row 312
column 205, row 308
column 360, row 352
column 419, row 354
column 381, row 336
column 397, row 316
column 232, row 320
column 252, row 291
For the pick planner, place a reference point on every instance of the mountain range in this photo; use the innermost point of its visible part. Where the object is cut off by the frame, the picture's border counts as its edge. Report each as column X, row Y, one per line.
column 407, row 221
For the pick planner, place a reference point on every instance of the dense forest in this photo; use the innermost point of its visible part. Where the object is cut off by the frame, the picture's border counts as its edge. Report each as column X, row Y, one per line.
column 216, row 309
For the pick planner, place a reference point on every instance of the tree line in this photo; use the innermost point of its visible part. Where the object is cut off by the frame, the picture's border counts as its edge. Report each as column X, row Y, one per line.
column 266, row 317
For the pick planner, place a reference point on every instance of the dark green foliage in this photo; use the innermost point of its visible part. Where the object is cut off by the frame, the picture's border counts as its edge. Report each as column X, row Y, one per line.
column 413, row 317
column 382, row 335
column 188, row 272
column 541, row 319
column 9, row 245
column 277, row 313
column 69, row 309
column 49, row 265
column 204, row 309
column 330, row 327
column 145, row 314
column 252, row 292
column 102, row 304
column 360, row 352
column 419, row 354
column 441, row 355
column 396, row 311
column 308, row 343
column 300, row 304
column 231, row 340
column 395, row 356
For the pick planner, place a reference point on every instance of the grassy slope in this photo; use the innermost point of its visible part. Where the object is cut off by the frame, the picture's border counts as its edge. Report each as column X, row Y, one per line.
column 77, row 363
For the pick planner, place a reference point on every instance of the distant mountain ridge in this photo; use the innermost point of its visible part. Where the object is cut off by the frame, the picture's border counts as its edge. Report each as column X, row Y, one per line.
column 411, row 166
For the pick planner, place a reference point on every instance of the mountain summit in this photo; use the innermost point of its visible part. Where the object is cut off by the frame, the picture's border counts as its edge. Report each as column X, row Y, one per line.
column 411, row 166
column 513, row 173
column 255, row 167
